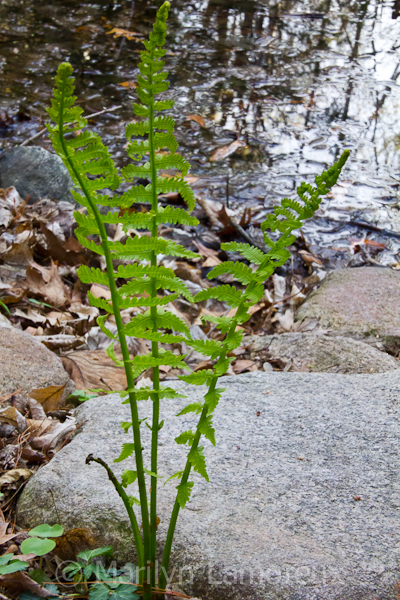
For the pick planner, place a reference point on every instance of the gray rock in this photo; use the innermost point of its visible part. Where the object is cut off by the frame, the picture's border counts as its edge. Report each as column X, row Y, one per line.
column 35, row 172
column 304, row 493
column 320, row 353
column 359, row 302
column 26, row 364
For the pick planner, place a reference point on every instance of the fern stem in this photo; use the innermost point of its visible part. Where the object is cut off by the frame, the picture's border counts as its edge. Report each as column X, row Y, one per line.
column 188, row 466
column 129, row 510
column 154, row 347
column 124, row 349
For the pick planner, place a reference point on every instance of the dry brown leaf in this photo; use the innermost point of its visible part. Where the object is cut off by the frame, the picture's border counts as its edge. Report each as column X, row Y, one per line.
column 371, row 243
column 129, row 85
column 19, row 582
column 30, row 315
column 36, row 410
column 4, row 536
column 12, row 416
column 51, row 398
column 93, row 370
column 86, row 312
column 129, row 35
column 310, row 258
column 54, row 438
column 19, row 254
column 239, row 366
column 226, row 151
column 39, row 427
column 61, row 341
column 286, row 320
column 14, row 476
column 100, row 291
column 186, row 271
column 47, row 283
column 204, row 251
column 197, row 119
column 70, row 253
column 212, row 261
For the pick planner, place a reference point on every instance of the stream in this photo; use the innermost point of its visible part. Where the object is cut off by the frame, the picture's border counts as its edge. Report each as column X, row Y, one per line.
column 292, row 83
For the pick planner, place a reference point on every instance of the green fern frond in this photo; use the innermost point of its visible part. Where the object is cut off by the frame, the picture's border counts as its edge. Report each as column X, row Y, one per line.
column 196, row 457
column 173, row 215
column 91, row 275
column 136, row 270
column 142, row 362
column 225, row 293
column 209, row 348
column 239, row 270
column 176, row 184
column 199, row 377
column 145, row 285
column 164, row 320
column 253, row 255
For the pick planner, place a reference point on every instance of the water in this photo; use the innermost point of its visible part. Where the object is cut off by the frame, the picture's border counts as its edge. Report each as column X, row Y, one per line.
column 297, row 82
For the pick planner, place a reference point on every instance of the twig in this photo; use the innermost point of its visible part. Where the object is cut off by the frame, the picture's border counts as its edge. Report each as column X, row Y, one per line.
column 246, row 236
column 8, row 396
column 42, row 131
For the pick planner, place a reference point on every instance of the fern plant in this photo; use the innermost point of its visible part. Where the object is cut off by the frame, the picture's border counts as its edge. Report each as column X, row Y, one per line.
column 153, row 147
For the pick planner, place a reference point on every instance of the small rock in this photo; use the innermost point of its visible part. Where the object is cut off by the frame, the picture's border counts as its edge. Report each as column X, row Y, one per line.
column 26, row 364
column 361, row 302
column 266, row 525
column 319, row 353
column 35, row 172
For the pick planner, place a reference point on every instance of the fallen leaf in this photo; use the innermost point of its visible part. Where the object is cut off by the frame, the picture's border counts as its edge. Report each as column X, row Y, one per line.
column 12, row 416
column 286, row 320
column 51, row 398
column 14, row 476
column 309, row 258
column 19, row 582
column 212, row 261
column 371, row 243
column 61, row 341
column 47, row 283
column 129, row 85
column 33, row 456
column 4, row 536
column 30, row 315
column 19, row 254
column 197, row 119
column 94, row 370
column 70, row 253
column 239, row 366
column 36, row 410
column 226, row 151
column 100, row 291
column 204, row 251
column 54, row 439
column 129, row 35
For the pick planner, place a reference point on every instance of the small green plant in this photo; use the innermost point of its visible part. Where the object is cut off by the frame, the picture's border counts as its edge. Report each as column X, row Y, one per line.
column 39, row 541
column 10, row 564
column 153, row 147
column 81, row 396
column 90, row 579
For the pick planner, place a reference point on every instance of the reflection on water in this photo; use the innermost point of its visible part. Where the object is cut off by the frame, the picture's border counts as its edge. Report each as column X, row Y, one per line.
column 297, row 81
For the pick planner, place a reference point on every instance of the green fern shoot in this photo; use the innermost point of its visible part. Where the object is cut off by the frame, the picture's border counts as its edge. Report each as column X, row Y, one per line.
column 153, row 147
